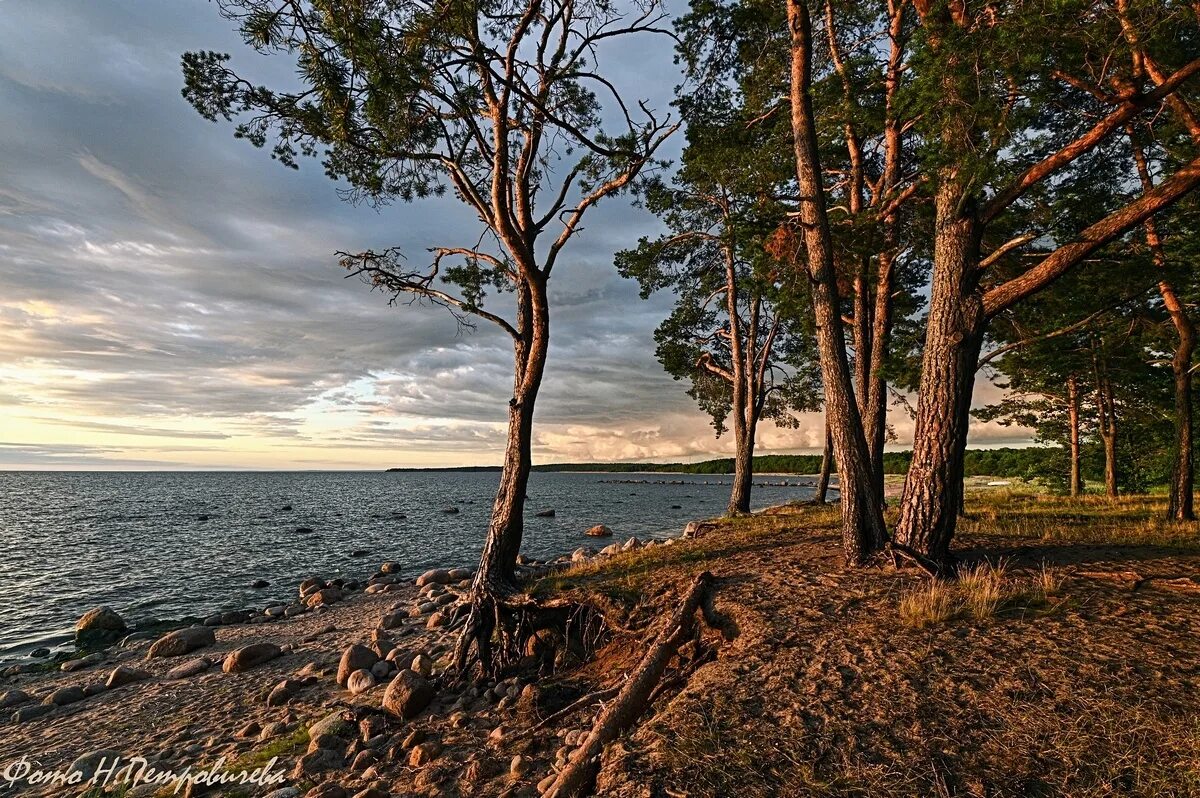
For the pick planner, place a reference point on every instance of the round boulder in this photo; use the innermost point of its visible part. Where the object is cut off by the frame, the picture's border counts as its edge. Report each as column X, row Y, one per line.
column 182, row 641
column 99, row 626
column 407, row 695
column 599, row 531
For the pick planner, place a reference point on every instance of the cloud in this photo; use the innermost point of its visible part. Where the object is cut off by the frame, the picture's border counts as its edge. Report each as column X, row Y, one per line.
column 165, row 282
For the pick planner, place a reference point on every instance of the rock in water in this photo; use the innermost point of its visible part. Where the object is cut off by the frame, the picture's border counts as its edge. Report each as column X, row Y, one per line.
column 99, row 626
column 599, row 531
column 247, row 657
column 390, row 567
column 182, row 641
column 355, row 658
column 545, row 514
column 407, row 695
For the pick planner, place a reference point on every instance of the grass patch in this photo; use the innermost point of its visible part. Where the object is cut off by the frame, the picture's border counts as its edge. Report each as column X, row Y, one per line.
column 982, row 591
column 626, row 576
column 1127, row 520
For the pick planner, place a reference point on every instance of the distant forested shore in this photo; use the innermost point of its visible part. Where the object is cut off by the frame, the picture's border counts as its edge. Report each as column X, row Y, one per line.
column 1030, row 462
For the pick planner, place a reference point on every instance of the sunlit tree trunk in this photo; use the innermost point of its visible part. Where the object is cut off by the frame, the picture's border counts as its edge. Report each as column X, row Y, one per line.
column 863, row 530
column 822, row 490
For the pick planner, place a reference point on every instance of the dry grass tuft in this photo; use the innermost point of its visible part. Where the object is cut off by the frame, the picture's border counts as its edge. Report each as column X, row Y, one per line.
column 983, row 590
column 927, row 605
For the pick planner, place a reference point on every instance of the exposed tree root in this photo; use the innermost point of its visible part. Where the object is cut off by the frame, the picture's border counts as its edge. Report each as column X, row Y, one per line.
column 634, row 696
column 503, row 627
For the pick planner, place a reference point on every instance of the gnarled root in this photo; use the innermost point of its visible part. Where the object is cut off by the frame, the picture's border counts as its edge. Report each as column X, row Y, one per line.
column 503, row 627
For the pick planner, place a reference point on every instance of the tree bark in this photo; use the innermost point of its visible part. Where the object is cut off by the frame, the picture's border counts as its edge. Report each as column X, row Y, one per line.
column 743, row 470
column 1106, row 413
column 863, row 530
column 1179, row 506
column 954, row 336
column 1076, row 477
column 822, row 490
column 495, row 580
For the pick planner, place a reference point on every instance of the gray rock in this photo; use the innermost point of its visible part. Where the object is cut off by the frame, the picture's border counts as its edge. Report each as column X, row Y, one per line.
column 315, row 762
column 354, row 658
column 188, row 669
column 390, row 567
column 459, row 574
column 382, row 669
column 253, row 655
column 407, row 695
column 282, row 693
column 423, row 665
column 360, row 681
column 72, row 665
column 40, row 653
column 182, row 641
column 334, row 723
column 87, row 764
column 29, row 713
column 122, row 676
column 393, row 620
column 99, row 626
column 64, row 695
column 545, row 514
column 11, row 698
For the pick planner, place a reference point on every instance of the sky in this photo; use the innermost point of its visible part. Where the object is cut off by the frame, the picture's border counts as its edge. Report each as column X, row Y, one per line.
column 170, row 297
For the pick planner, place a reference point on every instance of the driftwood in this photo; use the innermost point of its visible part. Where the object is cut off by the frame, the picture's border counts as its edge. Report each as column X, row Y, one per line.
column 634, row 696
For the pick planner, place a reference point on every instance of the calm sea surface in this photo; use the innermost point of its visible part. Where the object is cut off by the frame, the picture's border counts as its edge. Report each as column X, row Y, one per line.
column 137, row 541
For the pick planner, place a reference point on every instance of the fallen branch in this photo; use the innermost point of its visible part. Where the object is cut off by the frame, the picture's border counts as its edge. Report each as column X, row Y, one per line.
column 634, row 696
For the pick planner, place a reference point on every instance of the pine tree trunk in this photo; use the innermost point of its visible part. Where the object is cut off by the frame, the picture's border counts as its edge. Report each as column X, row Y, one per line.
column 495, row 579
column 863, row 530
column 1110, row 463
column 743, row 470
column 1183, row 473
column 954, row 336
column 1076, row 477
column 822, row 490
column 875, row 415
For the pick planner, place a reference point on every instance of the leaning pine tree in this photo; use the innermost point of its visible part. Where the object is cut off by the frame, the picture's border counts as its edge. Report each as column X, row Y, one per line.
column 500, row 101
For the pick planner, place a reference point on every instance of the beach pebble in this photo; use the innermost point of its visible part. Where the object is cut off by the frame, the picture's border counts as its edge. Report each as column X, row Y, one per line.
column 63, row 696
column 360, row 681
column 31, row 712
column 192, row 667
column 438, row 576
column 182, row 641
column 407, row 695
column 73, row 665
column 354, row 658
column 11, row 698
column 313, row 762
column 247, row 657
column 328, row 595
column 87, row 764
column 282, row 693
column 423, row 665
column 424, row 753
column 122, row 676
